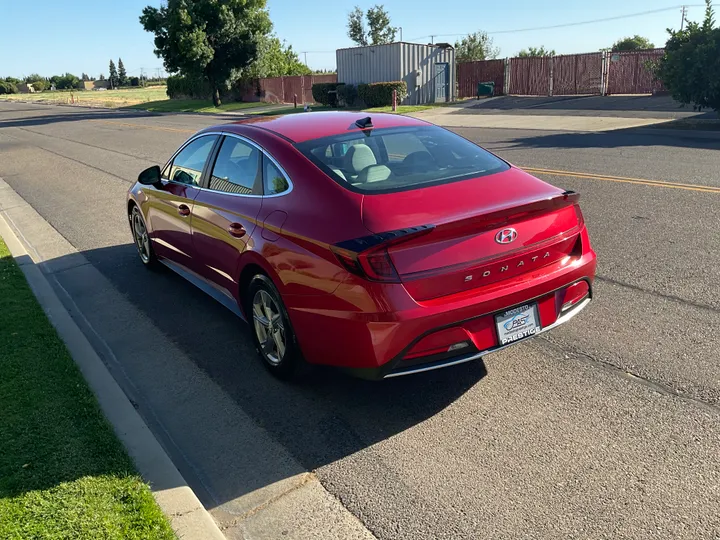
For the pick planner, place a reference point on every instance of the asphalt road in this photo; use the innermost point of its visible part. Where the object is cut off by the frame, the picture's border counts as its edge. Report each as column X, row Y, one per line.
column 608, row 427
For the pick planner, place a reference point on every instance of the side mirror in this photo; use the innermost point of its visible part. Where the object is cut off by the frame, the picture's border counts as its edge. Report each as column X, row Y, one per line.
column 150, row 177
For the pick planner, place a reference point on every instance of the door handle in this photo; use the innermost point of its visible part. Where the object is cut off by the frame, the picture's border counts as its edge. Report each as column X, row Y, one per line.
column 236, row 230
column 184, row 210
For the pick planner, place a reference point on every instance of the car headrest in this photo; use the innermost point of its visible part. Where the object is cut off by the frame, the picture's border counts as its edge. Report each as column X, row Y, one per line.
column 373, row 173
column 337, row 171
column 360, row 156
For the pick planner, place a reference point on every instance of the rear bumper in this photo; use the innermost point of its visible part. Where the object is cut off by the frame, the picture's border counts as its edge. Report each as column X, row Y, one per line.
column 348, row 330
column 399, row 370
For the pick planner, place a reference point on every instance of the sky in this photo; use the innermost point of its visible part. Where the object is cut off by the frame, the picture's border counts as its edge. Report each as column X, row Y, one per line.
column 51, row 37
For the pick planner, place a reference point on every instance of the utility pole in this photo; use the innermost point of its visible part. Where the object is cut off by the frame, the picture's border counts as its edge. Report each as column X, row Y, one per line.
column 432, row 40
column 684, row 14
column 400, row 28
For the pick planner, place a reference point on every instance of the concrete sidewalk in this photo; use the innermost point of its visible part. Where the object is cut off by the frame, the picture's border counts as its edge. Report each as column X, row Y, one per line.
column 548, row 123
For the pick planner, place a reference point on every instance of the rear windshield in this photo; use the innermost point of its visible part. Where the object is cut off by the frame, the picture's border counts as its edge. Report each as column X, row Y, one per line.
column 393, row 159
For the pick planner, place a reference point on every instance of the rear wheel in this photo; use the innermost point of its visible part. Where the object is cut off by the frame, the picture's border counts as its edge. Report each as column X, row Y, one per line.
column 142, row 239
column 270, row 326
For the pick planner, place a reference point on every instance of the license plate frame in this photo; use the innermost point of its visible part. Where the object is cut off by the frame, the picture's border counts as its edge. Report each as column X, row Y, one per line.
column 518, row 323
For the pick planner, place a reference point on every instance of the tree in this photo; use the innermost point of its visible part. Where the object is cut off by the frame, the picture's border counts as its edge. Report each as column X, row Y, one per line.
column 8, row 87
column 690, row 67
column 276, row 59
column 634, row 43
column 122, row 74
column 379, row 31
column 208, row 39
column 84, row 77
column 101, row 77
column 66, row 82
column 113, row 75
column 476, row 46
column 536, row 51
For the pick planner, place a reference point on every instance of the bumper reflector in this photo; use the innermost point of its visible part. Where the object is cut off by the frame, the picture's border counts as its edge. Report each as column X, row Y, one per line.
column 573, row 294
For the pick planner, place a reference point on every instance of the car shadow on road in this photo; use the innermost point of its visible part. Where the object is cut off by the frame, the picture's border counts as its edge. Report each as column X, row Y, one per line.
column 321, row 419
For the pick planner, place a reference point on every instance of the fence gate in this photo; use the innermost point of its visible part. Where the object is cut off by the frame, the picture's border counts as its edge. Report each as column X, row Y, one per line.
column 577, row 74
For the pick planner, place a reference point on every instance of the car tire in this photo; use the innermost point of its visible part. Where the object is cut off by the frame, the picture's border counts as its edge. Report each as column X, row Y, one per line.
column 141, row 239
column 272, row 334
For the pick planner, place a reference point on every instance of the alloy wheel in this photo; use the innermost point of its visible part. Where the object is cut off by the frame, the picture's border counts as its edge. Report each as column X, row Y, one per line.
column 269, row 327
column 142, row 240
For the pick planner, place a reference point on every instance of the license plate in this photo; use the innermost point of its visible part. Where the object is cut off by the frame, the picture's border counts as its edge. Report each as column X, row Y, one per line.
column 517, row 323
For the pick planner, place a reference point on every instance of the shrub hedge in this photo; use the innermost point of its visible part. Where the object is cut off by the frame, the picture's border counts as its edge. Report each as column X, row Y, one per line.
column 321, row 93
column 347, row 94
column 380, row 94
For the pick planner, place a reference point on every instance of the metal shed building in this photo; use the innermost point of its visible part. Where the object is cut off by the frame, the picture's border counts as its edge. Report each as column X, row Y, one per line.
column 428, row 70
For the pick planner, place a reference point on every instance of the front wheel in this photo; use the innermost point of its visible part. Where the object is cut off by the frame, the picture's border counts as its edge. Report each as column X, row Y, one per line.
column 270, row 326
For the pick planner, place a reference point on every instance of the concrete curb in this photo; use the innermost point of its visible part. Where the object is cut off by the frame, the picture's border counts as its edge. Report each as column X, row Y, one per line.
column 188, row 518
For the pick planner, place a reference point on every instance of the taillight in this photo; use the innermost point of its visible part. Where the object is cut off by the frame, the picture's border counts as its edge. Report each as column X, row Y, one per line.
column 579, row 214
column 378, row 266
column 368, row 256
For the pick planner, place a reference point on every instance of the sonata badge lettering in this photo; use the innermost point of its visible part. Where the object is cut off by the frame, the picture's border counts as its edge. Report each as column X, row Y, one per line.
column 506, row 267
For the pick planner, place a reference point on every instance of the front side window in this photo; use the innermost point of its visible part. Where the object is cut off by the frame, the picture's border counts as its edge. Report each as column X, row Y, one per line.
column 274, row 180
column 394, row 159
column 237, row 168
column 188, row 165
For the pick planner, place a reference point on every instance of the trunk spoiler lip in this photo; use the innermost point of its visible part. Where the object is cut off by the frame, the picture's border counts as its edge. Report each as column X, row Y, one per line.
column 492, row 219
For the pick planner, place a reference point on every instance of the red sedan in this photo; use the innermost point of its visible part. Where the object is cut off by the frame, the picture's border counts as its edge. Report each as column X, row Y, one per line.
column 383, row 245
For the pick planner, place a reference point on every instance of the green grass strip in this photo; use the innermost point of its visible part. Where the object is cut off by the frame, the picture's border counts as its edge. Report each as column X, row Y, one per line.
column 63, row 473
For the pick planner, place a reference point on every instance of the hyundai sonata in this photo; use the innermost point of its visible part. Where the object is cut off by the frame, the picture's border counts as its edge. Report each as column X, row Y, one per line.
column 384, row 245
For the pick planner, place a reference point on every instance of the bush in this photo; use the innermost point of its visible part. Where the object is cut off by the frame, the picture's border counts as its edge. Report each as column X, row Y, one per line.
column 184, row 86
column 380, row 94
column 347, row 94
column 690, row 68
column 7, row 87
column 321, row 93
column 134, row 81
column 39, row 85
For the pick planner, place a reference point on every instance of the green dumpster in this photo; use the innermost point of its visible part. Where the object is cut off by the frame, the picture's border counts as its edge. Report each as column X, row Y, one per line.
column 485, row 89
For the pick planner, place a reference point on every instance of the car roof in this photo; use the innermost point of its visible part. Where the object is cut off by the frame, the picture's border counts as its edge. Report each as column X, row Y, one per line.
column 314, row 125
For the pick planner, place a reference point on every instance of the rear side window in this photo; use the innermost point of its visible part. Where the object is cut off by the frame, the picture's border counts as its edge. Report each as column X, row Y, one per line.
column 188, row 165
column 274, row 180
column 237, row 168
column 396, row 159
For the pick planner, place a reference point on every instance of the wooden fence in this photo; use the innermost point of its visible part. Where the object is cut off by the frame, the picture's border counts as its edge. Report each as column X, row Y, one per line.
column 572, row 74
column 284, row 89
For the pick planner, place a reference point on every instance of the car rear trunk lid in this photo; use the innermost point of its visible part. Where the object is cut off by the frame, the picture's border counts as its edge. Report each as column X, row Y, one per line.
column 462, row 252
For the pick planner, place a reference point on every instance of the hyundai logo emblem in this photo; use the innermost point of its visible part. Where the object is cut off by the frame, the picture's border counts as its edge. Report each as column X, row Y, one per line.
column 506, row 236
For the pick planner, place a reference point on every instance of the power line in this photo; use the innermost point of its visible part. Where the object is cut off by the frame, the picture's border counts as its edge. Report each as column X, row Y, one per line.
column 565, row 25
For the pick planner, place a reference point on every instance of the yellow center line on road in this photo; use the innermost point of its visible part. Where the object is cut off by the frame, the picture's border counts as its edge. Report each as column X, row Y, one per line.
column 626, row 180
column 143, row 126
